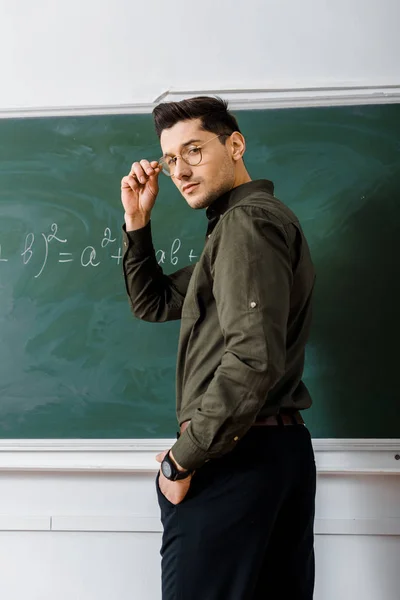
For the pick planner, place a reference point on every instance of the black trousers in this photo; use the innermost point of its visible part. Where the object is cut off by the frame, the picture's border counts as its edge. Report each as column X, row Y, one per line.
column 245, row 529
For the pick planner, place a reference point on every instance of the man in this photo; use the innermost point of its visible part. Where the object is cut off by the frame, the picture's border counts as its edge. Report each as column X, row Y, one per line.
column 236, row 490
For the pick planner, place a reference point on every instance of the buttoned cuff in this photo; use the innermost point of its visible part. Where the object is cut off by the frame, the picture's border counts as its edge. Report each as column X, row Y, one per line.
column 140, row 240
column 187, row 454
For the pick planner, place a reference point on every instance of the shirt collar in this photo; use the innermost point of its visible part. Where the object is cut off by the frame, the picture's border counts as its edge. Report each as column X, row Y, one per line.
column 229, row 199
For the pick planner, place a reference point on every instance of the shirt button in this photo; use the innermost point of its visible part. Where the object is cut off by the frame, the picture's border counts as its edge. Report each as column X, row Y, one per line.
column 125, row 244
column 253, row 304
column 209, row 235
column 235, row 439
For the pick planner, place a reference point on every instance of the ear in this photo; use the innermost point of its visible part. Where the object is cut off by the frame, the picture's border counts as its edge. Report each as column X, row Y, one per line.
column 238, row 145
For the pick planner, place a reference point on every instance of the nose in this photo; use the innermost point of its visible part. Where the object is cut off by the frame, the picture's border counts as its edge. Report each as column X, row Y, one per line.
column 182, row 169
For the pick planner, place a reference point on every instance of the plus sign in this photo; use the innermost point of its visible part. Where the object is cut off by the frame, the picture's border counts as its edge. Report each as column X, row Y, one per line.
column 118, row 256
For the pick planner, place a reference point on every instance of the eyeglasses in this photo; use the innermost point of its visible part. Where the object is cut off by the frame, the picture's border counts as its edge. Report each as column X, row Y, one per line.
column 191, row 156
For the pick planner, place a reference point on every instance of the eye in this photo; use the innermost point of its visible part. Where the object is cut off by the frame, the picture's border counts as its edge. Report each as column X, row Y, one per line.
column 194, row 151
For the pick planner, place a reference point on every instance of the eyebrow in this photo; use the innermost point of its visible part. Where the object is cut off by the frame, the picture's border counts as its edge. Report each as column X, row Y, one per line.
column 183, row 146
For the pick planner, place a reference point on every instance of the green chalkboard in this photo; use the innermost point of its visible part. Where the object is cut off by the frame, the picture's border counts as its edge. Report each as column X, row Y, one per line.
column 74, row 362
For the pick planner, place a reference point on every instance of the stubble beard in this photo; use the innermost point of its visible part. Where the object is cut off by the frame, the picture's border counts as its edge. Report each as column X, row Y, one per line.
column 225, row 185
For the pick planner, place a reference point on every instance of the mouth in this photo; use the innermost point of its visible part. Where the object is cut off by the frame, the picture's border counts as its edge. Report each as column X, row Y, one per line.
column 189, row 187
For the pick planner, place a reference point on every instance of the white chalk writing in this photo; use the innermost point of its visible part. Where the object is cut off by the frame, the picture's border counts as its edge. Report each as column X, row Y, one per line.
column 89, row 258
column 2, row 259
column 42, row 246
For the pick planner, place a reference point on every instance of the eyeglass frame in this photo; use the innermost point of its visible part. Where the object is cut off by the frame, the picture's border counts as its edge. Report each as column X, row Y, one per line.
column 162, row 159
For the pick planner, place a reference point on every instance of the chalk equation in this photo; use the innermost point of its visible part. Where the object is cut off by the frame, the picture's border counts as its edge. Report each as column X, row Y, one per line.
column 91, row 256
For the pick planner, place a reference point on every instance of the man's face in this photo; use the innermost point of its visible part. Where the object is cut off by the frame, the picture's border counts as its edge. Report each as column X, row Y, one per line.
column 200, row 185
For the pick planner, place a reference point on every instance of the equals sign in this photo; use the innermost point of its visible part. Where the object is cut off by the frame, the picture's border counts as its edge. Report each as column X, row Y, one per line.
column 64, row 260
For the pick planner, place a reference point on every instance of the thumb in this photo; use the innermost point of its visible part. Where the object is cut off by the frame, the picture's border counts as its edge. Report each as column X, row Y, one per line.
column 160, row 457
column 154, row 177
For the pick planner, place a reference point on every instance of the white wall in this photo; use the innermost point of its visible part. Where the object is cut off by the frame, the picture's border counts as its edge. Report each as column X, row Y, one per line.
column 80, row 520
column 82, row 52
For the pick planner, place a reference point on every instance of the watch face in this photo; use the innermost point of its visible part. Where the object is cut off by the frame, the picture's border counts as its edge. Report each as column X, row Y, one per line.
column 166, row 469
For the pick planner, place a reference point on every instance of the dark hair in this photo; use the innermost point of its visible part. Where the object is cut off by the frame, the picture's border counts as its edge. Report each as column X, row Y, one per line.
column 213, row 112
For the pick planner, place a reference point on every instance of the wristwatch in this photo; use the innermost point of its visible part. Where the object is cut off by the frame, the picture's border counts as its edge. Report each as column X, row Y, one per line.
column 170, row 471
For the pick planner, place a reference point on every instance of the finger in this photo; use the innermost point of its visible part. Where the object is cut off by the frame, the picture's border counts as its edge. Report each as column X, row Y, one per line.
column 129, row 182
column 155, row 175
column 138, row 172
column 160, row 457
column 156, row 166
column 152, row 169
column 147, row 168
column 157, row 171
column 135, row 183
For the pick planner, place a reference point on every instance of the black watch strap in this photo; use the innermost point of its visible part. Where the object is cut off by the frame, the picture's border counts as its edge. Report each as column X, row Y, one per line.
column 170, row 471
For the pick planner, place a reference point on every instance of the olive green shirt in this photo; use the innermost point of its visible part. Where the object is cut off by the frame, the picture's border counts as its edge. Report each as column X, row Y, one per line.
column 245, row 310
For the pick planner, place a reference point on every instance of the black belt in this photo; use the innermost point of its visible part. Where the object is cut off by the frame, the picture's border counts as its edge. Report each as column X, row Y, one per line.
column 279, row 420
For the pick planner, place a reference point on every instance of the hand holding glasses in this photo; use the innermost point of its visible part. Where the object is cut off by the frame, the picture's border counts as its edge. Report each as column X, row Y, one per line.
column 139, row 189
